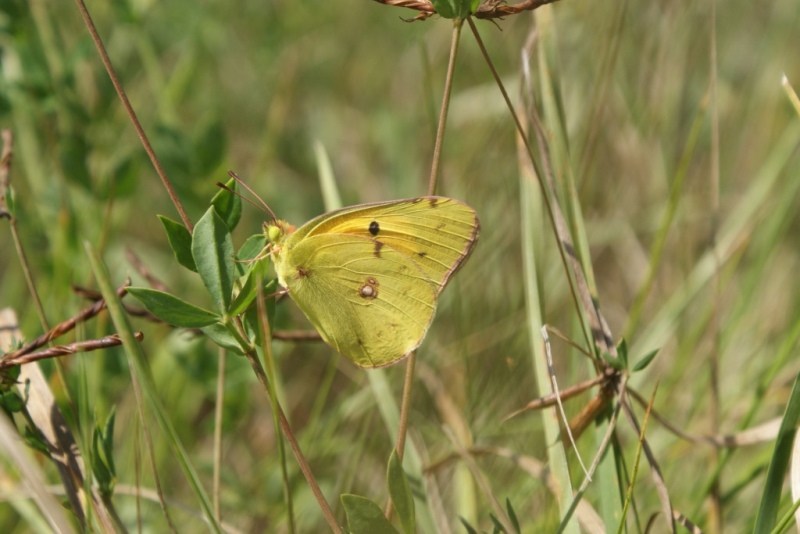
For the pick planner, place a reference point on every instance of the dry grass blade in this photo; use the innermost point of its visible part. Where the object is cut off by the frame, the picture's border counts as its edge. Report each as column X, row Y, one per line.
column 655, row 470
column 763, row 433
column 481, row 480
column 63, row 450
column 586, row 515
column 551, row 399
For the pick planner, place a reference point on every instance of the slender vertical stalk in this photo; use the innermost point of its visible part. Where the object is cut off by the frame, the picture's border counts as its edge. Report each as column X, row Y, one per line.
column 448, row 86
column 713, row 360
column 218, row 431
column 101, row 49
column 402, row 430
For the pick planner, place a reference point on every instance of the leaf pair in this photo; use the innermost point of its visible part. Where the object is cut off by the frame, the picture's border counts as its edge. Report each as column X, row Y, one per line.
column 366, row 517
column 231, row 281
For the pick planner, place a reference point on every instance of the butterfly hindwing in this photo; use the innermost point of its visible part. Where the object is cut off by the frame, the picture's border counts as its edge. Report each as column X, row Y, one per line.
column 370, row 302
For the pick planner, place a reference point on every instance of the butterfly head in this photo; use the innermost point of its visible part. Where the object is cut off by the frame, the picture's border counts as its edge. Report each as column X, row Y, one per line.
column 277, row 231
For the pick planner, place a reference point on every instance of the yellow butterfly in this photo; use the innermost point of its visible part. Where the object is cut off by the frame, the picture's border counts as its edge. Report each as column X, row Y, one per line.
column 368, row 276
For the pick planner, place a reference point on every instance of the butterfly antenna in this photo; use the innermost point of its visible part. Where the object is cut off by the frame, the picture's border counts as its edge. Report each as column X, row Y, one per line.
column 264, row 206
column 233, row 192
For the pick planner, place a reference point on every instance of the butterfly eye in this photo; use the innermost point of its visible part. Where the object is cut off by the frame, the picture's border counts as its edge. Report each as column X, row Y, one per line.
column 273, row 233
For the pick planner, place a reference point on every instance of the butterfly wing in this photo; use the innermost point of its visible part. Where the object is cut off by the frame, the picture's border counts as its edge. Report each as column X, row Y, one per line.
column 368, row 301
column 436, row 233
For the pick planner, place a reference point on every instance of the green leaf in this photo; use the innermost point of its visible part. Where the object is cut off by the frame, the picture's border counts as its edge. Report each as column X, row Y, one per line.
column 401, row 494
column 11, row 203
column 35, row 441
column 108, row 440
column 252, row 248
column 222, row 337
column 11, row 401
column 779, row 463
column 228, row 205
column 173, row 310
column 176, row 153
column 210, row 146
column 212, row 249
column 455, row 9
column 123, row 179
column 180, row 240
column 622, row 352
column 644, row 362
column 249, row 288
column 9, row 377
column 512, row 515
column 616, row 363
column 365, row 517
column 470, row 528
column 73, row 152
column 103, row 457
column 498, row 526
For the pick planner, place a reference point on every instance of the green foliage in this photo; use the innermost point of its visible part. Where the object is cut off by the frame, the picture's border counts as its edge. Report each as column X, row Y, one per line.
column 644, row 361
column 180, row 240
column 173, row 310
column 11, row 402
column 365, row 517
column 212, row 250
column 456, row 9
column 401, row 495
column 103, row 458
column 779, row 463
column 228, row 205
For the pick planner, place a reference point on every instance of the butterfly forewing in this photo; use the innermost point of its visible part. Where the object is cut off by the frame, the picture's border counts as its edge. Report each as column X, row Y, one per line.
column 436, row 233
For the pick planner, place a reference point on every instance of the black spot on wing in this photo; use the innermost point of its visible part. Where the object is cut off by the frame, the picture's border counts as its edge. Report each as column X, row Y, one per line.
column 374, row 228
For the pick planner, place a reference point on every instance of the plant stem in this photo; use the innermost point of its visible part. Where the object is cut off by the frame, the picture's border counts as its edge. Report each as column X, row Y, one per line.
column 101, row 49
column 408, row 383
column 448, row 85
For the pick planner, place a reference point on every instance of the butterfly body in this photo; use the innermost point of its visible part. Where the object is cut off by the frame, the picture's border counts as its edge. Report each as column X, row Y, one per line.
column 368, row 276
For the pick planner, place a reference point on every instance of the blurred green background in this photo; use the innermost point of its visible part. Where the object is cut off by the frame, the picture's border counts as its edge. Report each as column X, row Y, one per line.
column 252, row 86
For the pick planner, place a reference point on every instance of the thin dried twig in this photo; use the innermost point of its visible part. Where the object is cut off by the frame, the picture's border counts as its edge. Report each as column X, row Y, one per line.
column 64, row 327
column 489, row 9
column 143, row 271
column 70, row 348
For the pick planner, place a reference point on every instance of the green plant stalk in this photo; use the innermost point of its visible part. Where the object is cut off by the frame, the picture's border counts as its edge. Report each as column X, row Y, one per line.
column 781, row 457
column 408, row 383
column 639, row 449
column 266, row 335
column 255, row 364
column 532, row 203
column 218, row 411
column 784, row 353
column 143, row 379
